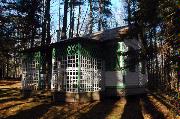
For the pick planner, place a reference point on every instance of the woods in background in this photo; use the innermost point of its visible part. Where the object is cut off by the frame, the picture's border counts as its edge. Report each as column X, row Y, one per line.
column 26, row 24
column 157, row 22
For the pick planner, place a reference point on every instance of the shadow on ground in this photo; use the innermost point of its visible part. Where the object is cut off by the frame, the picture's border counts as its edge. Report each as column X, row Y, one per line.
column 134, row 107
column 137, row 104
column 151, row 109
column 33, row 113
column 101, row 110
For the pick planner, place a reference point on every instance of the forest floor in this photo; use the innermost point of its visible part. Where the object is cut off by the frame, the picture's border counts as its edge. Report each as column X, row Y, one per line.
column 40, row 106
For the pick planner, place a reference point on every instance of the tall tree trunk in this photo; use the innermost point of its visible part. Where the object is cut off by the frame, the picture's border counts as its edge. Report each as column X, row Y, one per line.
column 72, row 28
column 78, row 21
column 32, row 22
column 156, row 58
column 71, row 12
column 48, row 41
column 71, row 19
column 100, row 22
column 59, row 17
column 129, row 12
column 43, row 40
column 33, row 35
column 90, row 21
column 63, row 34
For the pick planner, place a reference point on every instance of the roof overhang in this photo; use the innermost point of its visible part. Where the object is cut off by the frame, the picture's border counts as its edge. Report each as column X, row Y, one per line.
column 115, row 33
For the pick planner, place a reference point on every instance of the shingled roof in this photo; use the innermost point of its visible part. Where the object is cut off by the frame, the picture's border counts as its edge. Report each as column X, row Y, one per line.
column 109, row 34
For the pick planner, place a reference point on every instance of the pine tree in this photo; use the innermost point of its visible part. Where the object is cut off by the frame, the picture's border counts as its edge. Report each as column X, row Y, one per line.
column 64, row 28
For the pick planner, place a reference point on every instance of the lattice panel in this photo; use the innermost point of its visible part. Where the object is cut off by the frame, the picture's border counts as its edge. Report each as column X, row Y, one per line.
column 30, row 74
column 65, row 74
column 90, row 74
column 71, row 81
column 76, row 69
column 70, row 77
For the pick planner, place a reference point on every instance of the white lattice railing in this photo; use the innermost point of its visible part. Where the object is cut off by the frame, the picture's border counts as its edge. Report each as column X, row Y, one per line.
column 56, row 82
column 29, row 84
column 68, row 76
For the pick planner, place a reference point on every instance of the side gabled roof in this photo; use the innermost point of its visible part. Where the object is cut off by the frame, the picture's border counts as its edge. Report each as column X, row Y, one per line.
column 115, row 33
column 61, row 43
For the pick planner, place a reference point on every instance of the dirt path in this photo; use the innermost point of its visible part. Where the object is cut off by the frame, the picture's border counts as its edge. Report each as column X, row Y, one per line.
column 12, row 106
